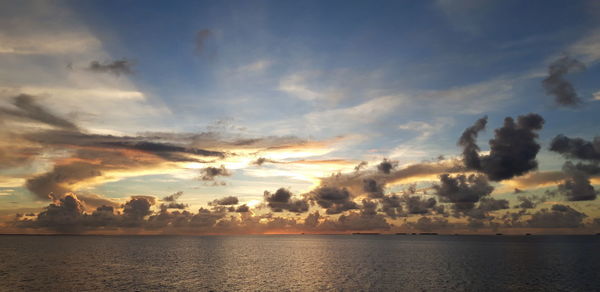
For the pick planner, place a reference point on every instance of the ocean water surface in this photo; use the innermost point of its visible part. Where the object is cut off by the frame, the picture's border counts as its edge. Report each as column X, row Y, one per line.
column 300, row 263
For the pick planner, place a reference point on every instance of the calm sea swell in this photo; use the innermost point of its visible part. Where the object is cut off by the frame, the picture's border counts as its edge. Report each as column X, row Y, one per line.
column 300, row 263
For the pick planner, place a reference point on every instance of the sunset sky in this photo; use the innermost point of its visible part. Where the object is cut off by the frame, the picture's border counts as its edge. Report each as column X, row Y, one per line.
column 211, row 117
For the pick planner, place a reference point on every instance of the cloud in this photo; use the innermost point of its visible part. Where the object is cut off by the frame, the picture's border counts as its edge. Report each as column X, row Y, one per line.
column 209, row 173
column 225, row 201
column 576, row 147
column 138, row 207
column 373, row 188
column 418, row 205
column 28, row 109
column 560, row 216
column 577, row 186
column 428, row 224
column 116, row 67
column 334, row 200
column 242, row 209
column 555, row 84
column 355, row 181
column 491, row 204
column 512, row 151
column 462, row 190
column 525, row 202
column 386, row 166
column 173, row 197
column 282, row 200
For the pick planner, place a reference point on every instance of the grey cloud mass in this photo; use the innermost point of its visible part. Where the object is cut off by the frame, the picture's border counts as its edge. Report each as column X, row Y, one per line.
column 116, row 67
column 513, row 149
column 558, row 86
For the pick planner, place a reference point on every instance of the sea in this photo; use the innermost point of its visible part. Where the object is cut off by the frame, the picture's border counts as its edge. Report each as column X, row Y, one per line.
column 300, row 263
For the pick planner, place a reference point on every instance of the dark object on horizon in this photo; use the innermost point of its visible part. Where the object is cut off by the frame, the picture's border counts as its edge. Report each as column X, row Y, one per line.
column 527, row 234
column 366, row 233
column 401, row 233
column 499, row 234
column 428, row 233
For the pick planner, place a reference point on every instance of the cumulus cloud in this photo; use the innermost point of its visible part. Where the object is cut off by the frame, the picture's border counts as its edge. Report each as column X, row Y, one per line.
column 491, row 204
column 210, row 173
column 559, row 216
column 578, row 186
column 334, row 200
column 374, row 189
column 462, row 190
column 225, row 201
column 513, row 149
column 116, row 67
column 556, row 85
column 354, row 182
column 429, row 224
column 418, row 205
column 386, row 166
column 576, row 147
column 282, row 200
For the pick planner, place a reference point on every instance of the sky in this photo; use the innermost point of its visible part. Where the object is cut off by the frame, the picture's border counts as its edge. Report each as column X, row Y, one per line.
column 212, row 117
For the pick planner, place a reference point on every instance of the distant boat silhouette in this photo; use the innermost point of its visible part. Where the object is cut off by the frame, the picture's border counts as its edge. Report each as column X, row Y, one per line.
column 366, row 233
column 428, row 233
column 401, row 233
column 527, row 234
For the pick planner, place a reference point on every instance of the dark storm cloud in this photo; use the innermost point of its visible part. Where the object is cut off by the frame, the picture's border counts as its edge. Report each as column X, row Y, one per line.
column 576, row 147
column 335, row 200
column 28, row 109
column 201, row 37
column 463, row 191
column 556, row 85
column 209, row 173
column 386, row 166
column 116, row 67
column 512, row 150
column 560, row 216
column 225, row 201
column 282, row 200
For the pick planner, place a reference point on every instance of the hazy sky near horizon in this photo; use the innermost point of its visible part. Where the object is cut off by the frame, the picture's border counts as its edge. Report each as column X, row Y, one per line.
column 346, row 112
